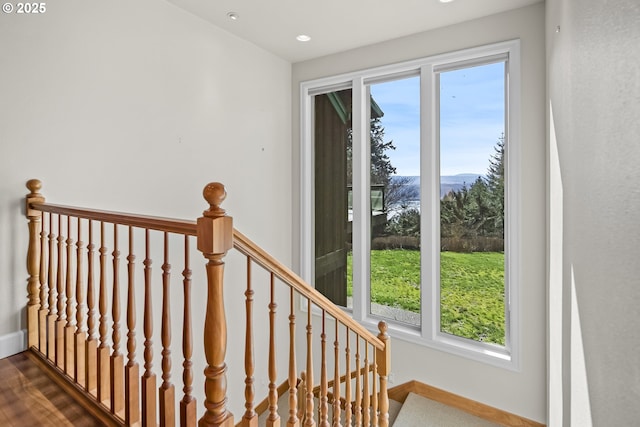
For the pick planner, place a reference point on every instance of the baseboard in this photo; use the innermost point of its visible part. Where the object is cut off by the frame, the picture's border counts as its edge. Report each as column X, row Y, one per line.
column 472, row 407
column 13, row 343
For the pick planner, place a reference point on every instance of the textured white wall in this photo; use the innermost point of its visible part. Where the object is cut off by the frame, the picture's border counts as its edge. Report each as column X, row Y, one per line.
column 135, row 106
column 524, row 392
column 594, row 199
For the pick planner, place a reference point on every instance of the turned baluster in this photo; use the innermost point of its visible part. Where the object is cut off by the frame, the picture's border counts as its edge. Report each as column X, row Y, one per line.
column 383, row 359
column 293, row 420
column 347, row 384
column 91, row 346
column 336, row 379
column 33, row 260
column 104, row 391
column 51, row 316
column 80, row 335
column 69, row 329
column 188, row 402
column 365, row 387
column 250, row 418
column 148, row 378
column 60, row 321
column 374, row 391
column 117, row 359
column 44, row 291
column 273, row 420
column 324, row 401
column 167, row 390
column 358, row 402
column 308, row 417
column 215, row 238
column 131, row 370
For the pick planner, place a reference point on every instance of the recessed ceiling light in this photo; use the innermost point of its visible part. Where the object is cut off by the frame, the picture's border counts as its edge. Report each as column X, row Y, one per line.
column 303, row 38
column 446, row 1
column 233, row 16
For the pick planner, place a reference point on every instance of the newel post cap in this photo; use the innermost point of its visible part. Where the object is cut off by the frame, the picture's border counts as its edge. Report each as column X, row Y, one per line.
column 34, row 196
column 383, row 357
column 215, row 229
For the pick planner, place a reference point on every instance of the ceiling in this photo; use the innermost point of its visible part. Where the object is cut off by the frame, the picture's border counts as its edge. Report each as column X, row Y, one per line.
column 336, row 25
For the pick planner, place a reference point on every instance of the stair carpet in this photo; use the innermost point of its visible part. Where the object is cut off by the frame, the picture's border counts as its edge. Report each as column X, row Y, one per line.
column 417, row 411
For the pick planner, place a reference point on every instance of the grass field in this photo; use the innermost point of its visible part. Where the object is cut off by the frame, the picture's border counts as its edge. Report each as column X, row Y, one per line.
column 472, row 289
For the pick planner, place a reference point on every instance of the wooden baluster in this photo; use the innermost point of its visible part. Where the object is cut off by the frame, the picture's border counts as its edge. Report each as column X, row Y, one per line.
column 336, row 379
column 149, row 378
column 293, row 420
column 104, row 393
column 347, row 384
column 60, row 321
column 91, row 346
column 188, row 403
column 33, row 261
column 383, row 358
column 80, row 336
column 117, row 359
column 358, row 403
column 366, row 416
column 51, row 317
column 69, row 329
column 44, row 291
column 308, row 418
column 324, row 401
column 273, row 420
column 374, row 391
column 167, row 390
column 215, row 238
column 250, row 418
column 131, row 370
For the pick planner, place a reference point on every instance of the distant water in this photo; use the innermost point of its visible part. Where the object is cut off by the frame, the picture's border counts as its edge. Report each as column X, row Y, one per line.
column 447, row 184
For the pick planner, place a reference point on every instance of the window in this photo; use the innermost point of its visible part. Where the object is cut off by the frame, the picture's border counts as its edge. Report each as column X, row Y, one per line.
column 409, row 198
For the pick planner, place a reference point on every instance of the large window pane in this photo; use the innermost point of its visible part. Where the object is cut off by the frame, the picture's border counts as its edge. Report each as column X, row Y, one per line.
column 472, row 261
column 394, row 134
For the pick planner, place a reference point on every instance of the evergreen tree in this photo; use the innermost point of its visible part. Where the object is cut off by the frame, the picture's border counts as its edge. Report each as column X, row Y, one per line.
column 381, row 167
column 495, row 183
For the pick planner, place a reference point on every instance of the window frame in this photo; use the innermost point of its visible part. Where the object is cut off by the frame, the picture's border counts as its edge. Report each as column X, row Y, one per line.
column 428, row 334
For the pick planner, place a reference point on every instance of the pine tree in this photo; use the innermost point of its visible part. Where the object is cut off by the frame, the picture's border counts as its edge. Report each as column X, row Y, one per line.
column 495, row 183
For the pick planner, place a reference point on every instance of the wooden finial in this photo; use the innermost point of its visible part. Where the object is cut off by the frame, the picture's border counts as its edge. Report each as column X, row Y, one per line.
column 34, row 185
column 214, row 193
column 383, row 327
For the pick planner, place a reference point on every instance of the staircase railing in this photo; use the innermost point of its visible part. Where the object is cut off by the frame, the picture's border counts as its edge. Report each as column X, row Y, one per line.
column 82, row 341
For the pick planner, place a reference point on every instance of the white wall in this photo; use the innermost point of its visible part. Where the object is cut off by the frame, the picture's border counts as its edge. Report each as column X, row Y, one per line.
column 523, row 392
column 136, row 106
column 594, row 199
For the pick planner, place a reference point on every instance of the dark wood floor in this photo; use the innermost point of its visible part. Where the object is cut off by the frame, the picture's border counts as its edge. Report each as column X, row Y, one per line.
column 28, row 397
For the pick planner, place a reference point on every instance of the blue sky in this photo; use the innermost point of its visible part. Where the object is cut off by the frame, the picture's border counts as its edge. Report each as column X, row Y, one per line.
column 471, row 119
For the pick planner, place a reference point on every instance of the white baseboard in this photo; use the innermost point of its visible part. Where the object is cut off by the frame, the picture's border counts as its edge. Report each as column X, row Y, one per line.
column 13, row 343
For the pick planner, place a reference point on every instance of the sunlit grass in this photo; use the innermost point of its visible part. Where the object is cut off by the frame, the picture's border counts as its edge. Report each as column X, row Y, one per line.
column 472, row 289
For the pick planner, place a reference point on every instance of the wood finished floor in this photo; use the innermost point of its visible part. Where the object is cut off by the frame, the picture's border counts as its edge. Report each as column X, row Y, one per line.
column 28, row 397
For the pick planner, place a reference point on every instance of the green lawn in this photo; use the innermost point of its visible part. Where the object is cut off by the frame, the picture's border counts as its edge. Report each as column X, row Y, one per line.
column 472, row 289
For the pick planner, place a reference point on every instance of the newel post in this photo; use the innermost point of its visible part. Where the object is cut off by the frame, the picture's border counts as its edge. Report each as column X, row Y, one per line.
column 215, row 238
column 33, row 260
column 383, row 359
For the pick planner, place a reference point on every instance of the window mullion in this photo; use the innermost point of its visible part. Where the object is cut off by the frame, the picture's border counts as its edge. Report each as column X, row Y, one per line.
column 430, row 209
column 361, row 202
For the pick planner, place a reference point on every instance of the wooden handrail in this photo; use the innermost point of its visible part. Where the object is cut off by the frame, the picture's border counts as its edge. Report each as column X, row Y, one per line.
column 244, row 245
column 169, row 225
